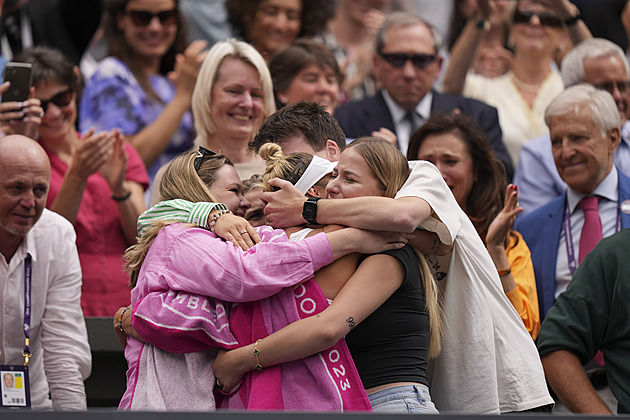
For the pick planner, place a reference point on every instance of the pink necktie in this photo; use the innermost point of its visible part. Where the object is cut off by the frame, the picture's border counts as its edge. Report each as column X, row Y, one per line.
column 592, row 229
column 591, row 234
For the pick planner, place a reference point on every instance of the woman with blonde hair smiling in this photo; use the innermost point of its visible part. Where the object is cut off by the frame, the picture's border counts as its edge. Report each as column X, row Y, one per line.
column 232, row 97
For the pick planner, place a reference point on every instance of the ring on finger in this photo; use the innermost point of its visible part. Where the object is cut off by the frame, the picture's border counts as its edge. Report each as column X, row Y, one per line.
column 243, row 232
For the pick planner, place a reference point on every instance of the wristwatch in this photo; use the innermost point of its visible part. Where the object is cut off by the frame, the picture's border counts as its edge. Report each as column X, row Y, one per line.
column 309, row 212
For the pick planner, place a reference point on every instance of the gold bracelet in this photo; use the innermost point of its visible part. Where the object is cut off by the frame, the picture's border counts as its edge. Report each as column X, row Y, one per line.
column 259, row 367
column 505, row 272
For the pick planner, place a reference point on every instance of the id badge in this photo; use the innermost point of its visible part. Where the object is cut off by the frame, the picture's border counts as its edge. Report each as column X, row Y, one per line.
column 15, row 387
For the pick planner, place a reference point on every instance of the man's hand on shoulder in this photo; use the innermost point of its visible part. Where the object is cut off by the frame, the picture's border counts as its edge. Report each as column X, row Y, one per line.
column 284, row 207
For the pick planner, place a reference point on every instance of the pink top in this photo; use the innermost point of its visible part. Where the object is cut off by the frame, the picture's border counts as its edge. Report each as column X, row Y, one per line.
column 184, row 261
column 100, row 239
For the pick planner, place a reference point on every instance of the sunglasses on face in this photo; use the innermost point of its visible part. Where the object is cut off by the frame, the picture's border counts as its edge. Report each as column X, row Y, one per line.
column 62, row 99
column 144, row 17
column 419, row 61
column 609, row 87
column 546, row 19
column 203, row 154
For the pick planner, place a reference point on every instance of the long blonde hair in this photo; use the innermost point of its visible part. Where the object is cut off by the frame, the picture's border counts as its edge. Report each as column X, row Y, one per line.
column 391, row 169
column 180, row 180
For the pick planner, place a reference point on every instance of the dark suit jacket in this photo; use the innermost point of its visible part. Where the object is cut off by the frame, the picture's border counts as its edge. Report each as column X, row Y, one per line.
column 358, row 119
column 541, row 231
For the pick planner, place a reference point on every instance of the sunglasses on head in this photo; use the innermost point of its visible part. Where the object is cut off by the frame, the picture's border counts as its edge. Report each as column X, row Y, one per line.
column 623, row 86
column 546, row 19
column 419, row 61
column 203, row 154
column 144, row 17
column 62, row 99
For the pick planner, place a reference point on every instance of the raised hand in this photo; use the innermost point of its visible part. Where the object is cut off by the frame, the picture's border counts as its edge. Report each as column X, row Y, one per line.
column 90, row 153
column 20, row 117
column 115, row 167
column 187, row 65
column 502, row 224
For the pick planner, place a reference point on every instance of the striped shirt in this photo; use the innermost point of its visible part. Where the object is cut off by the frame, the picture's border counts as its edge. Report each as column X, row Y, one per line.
column 180, row 210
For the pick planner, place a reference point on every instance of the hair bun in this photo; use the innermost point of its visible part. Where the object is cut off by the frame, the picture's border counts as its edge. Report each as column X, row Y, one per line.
column 271, row 152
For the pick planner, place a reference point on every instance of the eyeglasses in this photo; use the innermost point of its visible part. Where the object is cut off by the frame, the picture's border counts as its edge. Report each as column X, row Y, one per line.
column 546, row 19
column 623, row 86
column 203, row 154
column 419, row 61
column 144, row 17
column 62, row 99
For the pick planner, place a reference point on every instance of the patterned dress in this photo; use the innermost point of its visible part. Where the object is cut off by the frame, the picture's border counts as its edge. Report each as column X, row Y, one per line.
column 113, row 98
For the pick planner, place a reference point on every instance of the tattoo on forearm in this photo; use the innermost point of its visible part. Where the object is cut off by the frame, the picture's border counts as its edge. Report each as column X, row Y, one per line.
column 436, row 245
column 351, row 322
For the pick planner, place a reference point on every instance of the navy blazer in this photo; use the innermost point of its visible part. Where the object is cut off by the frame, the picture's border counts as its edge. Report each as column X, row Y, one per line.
column 541, row 231
column 358, row 119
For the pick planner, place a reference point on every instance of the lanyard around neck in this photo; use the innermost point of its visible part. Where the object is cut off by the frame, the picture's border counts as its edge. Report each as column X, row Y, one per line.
column 568, row 236
column 28, row 269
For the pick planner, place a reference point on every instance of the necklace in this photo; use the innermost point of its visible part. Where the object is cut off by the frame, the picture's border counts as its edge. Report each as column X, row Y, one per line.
column 525, row 86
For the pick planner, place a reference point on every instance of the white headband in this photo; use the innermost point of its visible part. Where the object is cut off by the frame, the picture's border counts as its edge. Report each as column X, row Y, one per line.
column 313, row 173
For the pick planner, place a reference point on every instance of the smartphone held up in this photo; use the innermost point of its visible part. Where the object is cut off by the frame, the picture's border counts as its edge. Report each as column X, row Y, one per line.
column 19, row 75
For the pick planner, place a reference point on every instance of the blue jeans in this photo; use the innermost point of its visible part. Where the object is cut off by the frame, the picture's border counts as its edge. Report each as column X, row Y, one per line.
column 403, row 399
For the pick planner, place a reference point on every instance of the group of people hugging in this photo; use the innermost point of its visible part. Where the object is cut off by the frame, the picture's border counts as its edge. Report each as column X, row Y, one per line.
column 304, row 332
column 261, row 248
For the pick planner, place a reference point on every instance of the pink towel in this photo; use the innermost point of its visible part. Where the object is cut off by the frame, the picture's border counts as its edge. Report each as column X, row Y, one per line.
column 327, row 381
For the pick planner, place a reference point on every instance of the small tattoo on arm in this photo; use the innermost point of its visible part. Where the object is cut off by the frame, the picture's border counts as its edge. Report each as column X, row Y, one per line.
column 351, row 322
column 436, row 245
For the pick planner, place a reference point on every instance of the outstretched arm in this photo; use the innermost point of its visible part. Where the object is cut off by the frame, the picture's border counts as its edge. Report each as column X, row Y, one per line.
column 284, row 209
column 153, row 139
column 179, row 319
column 465, row 49
column 363, row 294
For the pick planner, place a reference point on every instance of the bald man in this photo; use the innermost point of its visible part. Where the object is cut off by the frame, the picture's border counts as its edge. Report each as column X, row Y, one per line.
column 33, row 237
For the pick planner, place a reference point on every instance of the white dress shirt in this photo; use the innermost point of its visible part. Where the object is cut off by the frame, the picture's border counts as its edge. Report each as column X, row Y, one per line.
column 607, row 207
column 61, row 358
column 403, row 128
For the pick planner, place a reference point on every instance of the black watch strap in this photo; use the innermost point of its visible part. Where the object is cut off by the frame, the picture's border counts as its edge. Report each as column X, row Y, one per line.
column 309, row 211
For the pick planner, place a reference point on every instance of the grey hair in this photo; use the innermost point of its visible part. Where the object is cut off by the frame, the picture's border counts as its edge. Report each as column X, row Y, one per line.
column 572, row 68
column 208, row 73
column 396, row 19
column 604, row 111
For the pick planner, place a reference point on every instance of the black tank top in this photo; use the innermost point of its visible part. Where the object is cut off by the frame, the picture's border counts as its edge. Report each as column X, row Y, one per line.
column 392, row 344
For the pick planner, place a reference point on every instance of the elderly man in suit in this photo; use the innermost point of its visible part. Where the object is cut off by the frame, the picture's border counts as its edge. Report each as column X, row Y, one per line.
column 407, row 64
column 585, row 130
column 604, row 65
